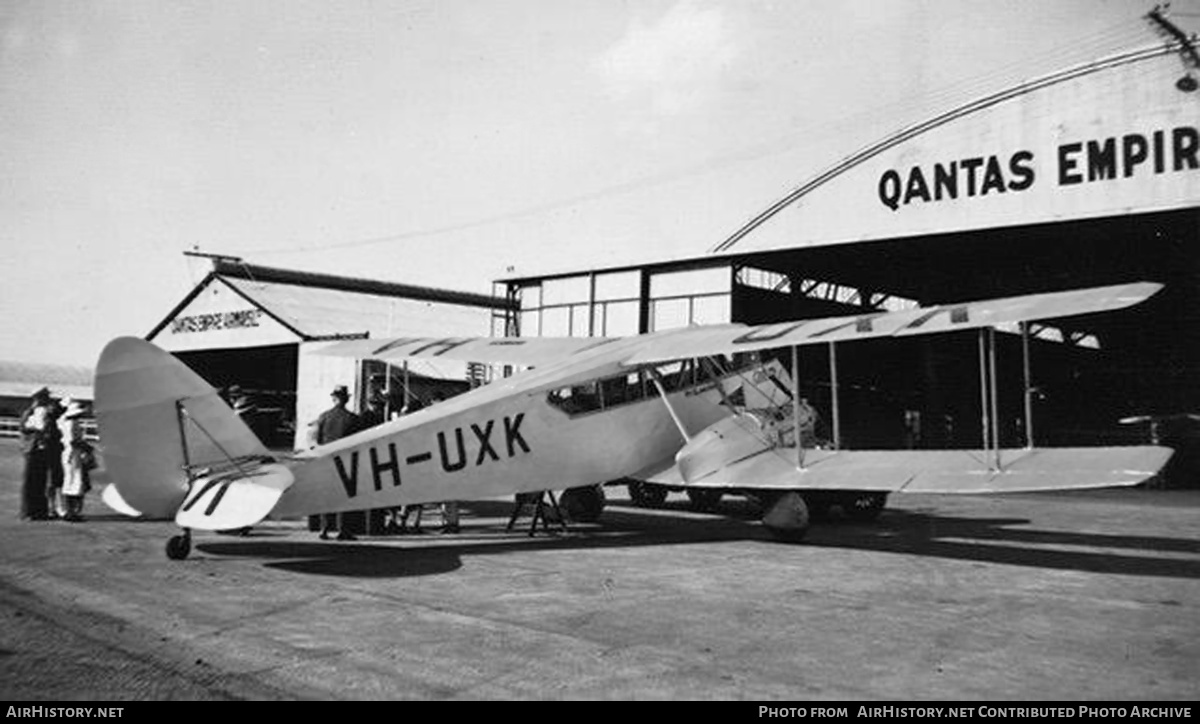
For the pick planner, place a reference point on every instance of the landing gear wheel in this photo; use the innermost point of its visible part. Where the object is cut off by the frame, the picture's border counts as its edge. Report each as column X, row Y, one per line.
column 179, row 546
column 863, row 507
column 704, row 499
column 582, row 505
column 647, row 495
column 787, row 517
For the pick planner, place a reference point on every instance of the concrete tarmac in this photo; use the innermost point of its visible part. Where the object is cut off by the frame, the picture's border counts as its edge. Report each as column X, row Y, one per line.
column 1066, row 596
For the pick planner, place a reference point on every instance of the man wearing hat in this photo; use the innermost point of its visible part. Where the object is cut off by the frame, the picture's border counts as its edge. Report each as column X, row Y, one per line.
column 333, row 424
column 41, row 444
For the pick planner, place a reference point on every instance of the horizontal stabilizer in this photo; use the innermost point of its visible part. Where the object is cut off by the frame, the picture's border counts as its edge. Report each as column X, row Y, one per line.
column 935, row 471
column 234, row 499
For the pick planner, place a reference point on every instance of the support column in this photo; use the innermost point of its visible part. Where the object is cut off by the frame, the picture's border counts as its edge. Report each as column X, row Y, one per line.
column 833, row 397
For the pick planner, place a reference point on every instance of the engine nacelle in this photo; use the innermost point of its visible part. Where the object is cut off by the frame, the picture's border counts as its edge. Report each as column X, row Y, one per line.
column 722, row 443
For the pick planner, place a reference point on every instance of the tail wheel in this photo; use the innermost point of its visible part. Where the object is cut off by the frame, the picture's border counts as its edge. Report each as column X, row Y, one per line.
column 582, row 505
column 647, row 495
column 179, row 546
column 704, row 498
column 864, row 506
column 787, row 517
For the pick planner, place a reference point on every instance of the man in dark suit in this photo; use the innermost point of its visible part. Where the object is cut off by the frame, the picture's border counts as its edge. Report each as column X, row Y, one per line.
column 333, row 424
column 42, row 445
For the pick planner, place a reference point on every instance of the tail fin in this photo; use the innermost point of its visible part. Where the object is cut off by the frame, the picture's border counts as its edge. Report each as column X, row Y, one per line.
column 159, row 421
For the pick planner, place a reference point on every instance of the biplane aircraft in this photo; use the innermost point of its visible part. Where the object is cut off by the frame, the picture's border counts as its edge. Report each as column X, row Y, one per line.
column 662, row 408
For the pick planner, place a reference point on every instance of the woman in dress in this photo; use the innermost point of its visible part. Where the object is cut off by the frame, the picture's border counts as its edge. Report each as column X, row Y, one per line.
column 77, row 461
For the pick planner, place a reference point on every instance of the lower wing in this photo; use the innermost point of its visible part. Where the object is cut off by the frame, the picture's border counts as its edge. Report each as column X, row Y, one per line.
column 931, row 471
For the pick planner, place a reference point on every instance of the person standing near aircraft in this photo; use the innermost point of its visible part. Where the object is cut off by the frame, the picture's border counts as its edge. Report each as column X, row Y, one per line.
column 808, row 417
column 39, row 443
column 54, row 495
column 449, row 507
column 333, row 424
column 77, row 461
column 373, row 414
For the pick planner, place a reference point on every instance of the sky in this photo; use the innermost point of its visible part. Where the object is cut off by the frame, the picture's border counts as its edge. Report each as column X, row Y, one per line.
column 449, row 143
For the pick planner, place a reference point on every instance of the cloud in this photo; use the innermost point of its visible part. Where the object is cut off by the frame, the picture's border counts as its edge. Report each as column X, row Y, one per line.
column 673, row 64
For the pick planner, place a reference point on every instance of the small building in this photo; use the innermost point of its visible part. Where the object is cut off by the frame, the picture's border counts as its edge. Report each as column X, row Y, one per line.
column 251, row 331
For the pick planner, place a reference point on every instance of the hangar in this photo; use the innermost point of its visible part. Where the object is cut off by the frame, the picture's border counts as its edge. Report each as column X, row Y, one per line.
column 255, row 327
column 1084, row 177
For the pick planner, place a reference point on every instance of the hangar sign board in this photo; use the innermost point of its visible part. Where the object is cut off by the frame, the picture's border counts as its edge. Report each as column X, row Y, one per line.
column 1160, row 151
column 218, row 318
column 1120, row 139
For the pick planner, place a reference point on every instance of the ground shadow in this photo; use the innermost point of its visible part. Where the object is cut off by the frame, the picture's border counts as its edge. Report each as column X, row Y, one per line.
column 998, row 540
column 430, row 553
column 355, row 560
column 988, row 540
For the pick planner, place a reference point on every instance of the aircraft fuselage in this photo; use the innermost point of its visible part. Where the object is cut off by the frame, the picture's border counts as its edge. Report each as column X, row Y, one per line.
column 516, row 443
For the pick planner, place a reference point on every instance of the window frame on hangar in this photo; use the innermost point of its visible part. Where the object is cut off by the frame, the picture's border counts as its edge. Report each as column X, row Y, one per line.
column 1097, row 184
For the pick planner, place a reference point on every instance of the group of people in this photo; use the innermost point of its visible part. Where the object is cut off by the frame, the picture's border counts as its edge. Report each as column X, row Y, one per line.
column 58, row 460
column 338, row 422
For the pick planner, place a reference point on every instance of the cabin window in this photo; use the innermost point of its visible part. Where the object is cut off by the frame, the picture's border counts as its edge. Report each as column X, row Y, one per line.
column 602, row 394
column 577, row 399
column 632, row 387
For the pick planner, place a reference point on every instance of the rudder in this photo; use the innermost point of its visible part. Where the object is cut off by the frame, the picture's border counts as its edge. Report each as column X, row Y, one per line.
column 156, row 417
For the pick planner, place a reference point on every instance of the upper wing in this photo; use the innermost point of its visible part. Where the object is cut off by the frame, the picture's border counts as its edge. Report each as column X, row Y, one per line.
column 530, row 351
column 701, row 341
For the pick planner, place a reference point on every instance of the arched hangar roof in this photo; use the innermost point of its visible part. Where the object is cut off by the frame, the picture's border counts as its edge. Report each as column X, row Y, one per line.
column 1109, row 137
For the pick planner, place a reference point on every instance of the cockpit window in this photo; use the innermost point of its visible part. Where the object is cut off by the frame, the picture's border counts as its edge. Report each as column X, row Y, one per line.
column 634, row 387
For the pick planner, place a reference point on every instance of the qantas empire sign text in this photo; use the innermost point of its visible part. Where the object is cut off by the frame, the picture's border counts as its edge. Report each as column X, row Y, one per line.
column 1131, row 155
column 216, row 320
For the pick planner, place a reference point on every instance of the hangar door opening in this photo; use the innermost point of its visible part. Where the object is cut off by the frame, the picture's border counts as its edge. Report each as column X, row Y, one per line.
column 1088, row 374
column 266, row 377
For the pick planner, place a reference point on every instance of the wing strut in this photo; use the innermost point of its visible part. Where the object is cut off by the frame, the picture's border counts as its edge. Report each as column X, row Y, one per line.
column 988, row 403
column 710, row 366
column 1025, row 364
column 833, row 393
column 662, row 392
column 796, row 405
column 182, row 415
column 991, row 335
